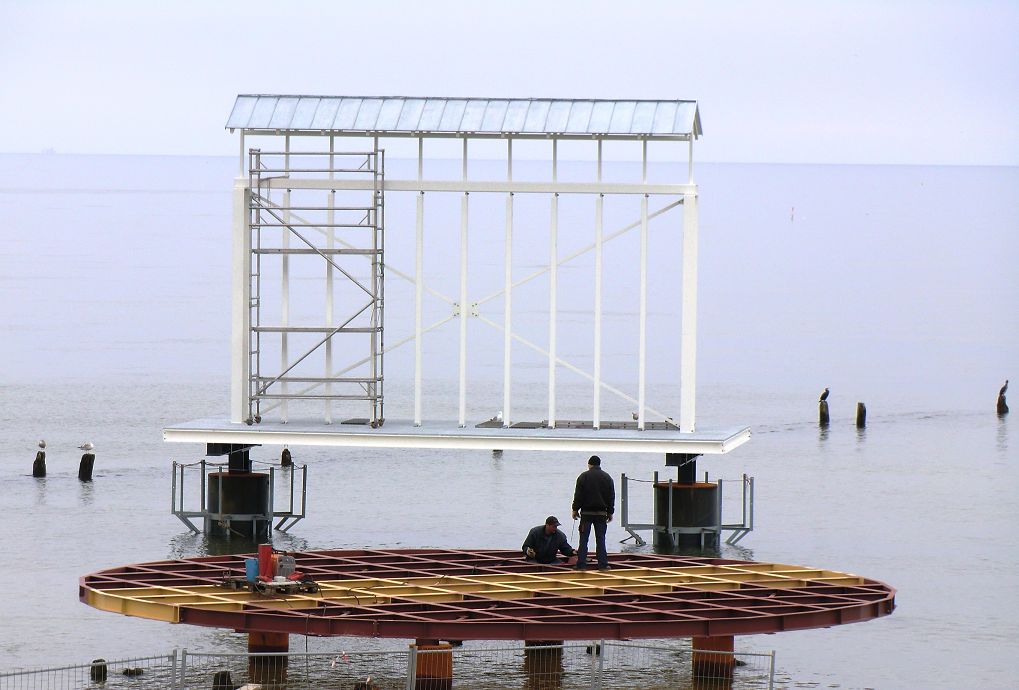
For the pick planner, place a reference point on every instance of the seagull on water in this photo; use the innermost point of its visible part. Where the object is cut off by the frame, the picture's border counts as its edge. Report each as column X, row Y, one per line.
column 824, row 396
column 86, row 446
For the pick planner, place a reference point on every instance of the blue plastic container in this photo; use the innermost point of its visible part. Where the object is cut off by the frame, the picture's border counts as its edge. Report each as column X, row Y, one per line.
column 251, row 569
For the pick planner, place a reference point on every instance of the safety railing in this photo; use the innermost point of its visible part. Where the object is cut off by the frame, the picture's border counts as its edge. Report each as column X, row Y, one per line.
column 199, row 504
column 142, row 673
column 597, row 665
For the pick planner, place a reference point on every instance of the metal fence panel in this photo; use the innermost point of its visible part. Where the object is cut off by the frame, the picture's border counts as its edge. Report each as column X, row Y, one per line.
column 297, row 671
column 648, row 665
column 141, row 673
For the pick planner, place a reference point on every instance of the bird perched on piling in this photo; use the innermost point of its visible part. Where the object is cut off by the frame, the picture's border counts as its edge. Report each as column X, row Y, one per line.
column 86, row 446
column 824, row 396
column 1000, row 392
column 42, row 444
column 1002, row 405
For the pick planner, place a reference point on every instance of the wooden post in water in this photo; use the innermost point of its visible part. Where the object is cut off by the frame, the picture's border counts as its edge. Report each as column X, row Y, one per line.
column 822, row 408
column 39, row 466
column 85, row 466
column 1002, row 405
column 861, row 415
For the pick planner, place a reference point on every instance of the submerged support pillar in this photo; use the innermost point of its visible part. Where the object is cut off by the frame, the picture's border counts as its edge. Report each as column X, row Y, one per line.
column 713, row 657
column 267, row 660
column 238, row 500
column 687, row 512
column 433, row 665
column 543, row 663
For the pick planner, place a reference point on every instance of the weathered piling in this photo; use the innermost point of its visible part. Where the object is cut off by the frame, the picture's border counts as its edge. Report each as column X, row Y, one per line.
column 39, row 466
column 98, row 671
column 221, row 680
column 1002, row 405
column 88, row 460
column 822, row 413
column 861, row 415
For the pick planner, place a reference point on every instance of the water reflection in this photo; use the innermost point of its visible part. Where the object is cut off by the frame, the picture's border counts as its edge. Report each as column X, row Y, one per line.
column 1003, row 434
column 190, row 545
column 40, row 491
column 86, row 491
column 543, row 667
column 861, row 436
column 822, row 435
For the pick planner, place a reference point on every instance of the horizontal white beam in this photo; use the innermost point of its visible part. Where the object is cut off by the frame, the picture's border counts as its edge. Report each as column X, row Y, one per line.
column 437, row 435
column 544, row 136
column 495, row 186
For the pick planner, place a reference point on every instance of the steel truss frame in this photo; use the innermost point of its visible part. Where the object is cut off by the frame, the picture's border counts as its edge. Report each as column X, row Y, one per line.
column 465, row 306
column 491, row 595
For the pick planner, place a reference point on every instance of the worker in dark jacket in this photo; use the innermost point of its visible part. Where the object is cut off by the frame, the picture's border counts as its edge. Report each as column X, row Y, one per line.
column 545, row 541
column 594, row 501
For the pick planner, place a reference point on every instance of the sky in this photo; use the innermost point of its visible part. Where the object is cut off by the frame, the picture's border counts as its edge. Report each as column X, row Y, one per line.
column 812, row 81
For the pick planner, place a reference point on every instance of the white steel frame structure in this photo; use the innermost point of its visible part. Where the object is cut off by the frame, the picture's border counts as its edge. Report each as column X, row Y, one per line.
column 472, row 119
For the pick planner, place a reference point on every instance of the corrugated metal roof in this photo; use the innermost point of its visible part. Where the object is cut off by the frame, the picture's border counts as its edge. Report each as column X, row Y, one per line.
column 466, row 116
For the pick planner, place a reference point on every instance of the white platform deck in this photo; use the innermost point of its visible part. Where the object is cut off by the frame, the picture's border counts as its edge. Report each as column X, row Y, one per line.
column 403, row 434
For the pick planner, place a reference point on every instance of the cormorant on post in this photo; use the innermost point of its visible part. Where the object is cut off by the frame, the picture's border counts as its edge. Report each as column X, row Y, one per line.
column 1003, row 388
column 1002, row 406
column 824, row 396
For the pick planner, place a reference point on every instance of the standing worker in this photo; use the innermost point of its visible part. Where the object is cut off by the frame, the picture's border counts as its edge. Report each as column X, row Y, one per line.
column 545, row 541
column 594, row 501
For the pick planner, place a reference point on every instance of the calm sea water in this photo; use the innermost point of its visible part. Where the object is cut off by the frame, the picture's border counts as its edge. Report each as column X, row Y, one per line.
column 895, row 286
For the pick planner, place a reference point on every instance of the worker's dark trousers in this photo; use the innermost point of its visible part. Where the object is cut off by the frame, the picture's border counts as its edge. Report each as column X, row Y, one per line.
column 600, row 524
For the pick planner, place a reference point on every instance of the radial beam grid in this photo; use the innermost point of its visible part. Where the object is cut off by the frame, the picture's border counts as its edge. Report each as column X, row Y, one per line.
column 489, row 595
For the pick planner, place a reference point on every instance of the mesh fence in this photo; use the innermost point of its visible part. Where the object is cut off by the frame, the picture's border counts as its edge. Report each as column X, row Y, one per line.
column 141, row 673
column 296, row 671
column 531, row 666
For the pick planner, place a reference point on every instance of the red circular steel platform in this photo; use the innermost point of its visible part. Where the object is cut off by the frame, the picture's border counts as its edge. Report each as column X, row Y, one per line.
column 493, row 595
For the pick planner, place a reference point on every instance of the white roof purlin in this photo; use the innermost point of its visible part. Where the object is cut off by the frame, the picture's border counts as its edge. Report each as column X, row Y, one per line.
column 483, row 117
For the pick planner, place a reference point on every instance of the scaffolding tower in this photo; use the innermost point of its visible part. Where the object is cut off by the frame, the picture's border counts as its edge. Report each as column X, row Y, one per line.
column 285, row 224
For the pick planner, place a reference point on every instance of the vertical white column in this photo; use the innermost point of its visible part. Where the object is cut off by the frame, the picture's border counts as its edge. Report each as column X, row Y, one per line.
column 419, row 285
column 689, row 160
column 642, row 348
column 240, row 170
column 598, row 209
column 240, row 306
column 688, row 341
column 464, row 307
column 553, row 289
column 507, row 316
column 285, row 288
column 330, row 312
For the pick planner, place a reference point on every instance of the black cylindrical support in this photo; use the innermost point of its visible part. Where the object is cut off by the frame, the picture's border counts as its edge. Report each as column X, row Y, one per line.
column 686, row 464
column 85, row 467
column 39, row 466
column 237, row 493
column 861, row 415
column 693, row 505
column 822, row 413
column 239, row 461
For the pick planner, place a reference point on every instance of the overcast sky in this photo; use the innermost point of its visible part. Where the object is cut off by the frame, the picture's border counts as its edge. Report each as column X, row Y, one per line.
column 859, row 81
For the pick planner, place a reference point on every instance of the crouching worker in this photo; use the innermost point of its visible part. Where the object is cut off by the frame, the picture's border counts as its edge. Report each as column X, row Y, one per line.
column 545, row 541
